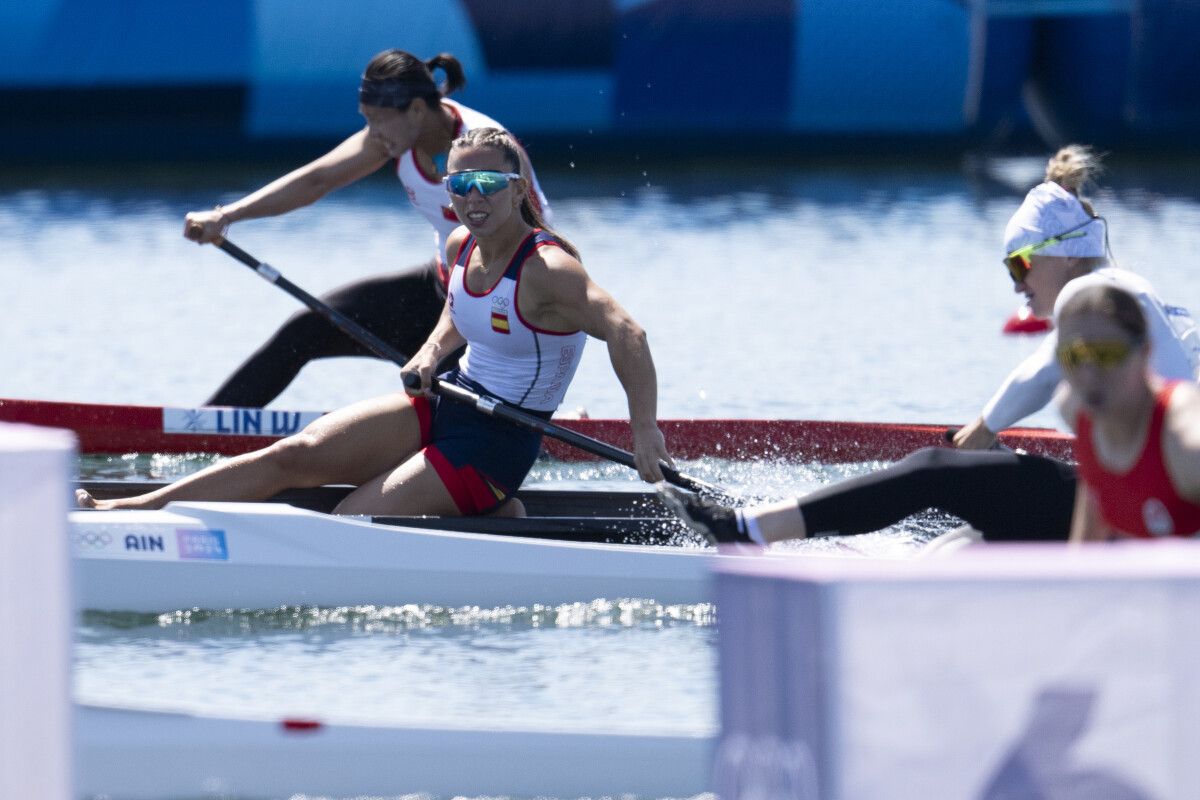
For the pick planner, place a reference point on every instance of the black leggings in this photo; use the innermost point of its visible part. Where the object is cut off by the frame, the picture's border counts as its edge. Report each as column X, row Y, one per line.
column 1005, row 496
column 400, row 308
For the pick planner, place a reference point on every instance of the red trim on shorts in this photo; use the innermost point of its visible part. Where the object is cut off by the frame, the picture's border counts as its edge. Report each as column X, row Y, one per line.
column 469, row 490
column 420, row 404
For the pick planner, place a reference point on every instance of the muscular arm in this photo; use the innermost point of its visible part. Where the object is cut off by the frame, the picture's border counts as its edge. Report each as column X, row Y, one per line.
column 558, row 295
column 1027, row 389
column 353, row 159
column 444, row 338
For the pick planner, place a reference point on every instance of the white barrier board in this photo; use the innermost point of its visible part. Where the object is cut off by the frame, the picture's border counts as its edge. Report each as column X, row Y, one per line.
column 36, row 614
column 1003, row 672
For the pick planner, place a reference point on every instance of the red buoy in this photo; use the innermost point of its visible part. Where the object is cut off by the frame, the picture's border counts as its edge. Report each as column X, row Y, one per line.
column 1023, row 321
column 300, row 725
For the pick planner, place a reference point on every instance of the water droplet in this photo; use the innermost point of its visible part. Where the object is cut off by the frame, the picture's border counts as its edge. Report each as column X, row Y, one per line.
column 572, row 165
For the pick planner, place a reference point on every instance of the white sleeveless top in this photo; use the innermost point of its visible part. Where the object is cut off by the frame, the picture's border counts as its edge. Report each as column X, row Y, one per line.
column 428, row 193
column 517, row 362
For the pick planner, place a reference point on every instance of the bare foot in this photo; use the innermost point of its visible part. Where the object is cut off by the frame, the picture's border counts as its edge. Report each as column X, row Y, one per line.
column 84, row 499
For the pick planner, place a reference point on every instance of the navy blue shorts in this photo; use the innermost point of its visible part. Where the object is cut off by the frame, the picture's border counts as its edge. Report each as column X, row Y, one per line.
column 480, row 459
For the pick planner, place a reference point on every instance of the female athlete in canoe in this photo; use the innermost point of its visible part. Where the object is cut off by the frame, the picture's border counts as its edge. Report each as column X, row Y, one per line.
column 1055, row 246
column 521, row 302
column 409, row 119
column 1137, row 435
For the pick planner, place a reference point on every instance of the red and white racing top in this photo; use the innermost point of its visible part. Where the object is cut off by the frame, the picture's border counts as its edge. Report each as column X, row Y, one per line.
column 427, row 192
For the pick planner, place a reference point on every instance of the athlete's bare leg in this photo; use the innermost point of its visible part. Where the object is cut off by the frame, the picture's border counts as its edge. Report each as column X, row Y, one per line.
column 352, row 445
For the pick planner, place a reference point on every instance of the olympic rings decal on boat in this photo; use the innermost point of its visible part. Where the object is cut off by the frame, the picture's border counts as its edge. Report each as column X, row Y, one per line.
column 97, row 541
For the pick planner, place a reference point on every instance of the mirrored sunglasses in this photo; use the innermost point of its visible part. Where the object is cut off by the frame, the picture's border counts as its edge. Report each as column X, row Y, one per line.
column 486, row 181
column 1103, row 354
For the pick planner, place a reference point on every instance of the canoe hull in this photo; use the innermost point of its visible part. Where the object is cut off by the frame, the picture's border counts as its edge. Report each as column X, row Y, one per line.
column 229, row 431
column 246, row 555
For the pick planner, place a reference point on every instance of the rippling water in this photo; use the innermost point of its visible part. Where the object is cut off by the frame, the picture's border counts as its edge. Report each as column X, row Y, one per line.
column 606, row 665
column 828, row 291
column 866, row 291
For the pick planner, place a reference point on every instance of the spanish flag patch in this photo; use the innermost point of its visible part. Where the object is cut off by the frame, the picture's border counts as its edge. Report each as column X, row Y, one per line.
column 500, row 322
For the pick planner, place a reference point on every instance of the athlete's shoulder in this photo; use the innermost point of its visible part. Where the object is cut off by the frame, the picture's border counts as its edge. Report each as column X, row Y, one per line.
column 1182, row 442
column 471, row 118
column 1131, row 282
column 455, row 242
column 551, row 253
column 551, row 270
column 1183, row 410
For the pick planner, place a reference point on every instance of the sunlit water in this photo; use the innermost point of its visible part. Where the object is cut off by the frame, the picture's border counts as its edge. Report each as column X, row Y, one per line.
column 834, row 291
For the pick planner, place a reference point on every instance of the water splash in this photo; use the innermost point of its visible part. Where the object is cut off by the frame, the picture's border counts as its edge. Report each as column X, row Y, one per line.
column 626, row 613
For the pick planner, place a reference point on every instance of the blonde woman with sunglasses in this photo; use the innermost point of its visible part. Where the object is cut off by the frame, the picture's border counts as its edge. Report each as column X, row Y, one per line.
column 522, row 303
column 1137, row 435
column 410, row 122
column 1055, row 247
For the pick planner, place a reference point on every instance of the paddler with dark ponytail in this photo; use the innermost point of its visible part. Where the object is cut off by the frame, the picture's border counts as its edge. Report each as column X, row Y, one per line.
column 409, row 120
column 522, row 303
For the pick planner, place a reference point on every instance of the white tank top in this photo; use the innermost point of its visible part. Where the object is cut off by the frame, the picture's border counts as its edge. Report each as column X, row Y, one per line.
column 517, row 362
column 428, row 193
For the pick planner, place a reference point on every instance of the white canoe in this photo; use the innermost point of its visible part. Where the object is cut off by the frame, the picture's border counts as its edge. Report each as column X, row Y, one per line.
column 148, row 755
column 265, row 555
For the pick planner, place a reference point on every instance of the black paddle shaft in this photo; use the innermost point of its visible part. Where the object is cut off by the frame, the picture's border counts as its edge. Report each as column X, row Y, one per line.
column 498, row 408
column 487, row 405
column 339, row 320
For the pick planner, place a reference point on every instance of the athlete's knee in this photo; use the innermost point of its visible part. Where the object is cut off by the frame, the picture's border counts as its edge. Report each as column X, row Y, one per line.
column 927, row 458
column 302, row 326
column 512, row 507
column 295, row 456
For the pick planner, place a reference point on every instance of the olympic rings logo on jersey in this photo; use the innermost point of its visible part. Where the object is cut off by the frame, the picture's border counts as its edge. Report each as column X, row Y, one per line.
column 1157, row 518
column 91, row 539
